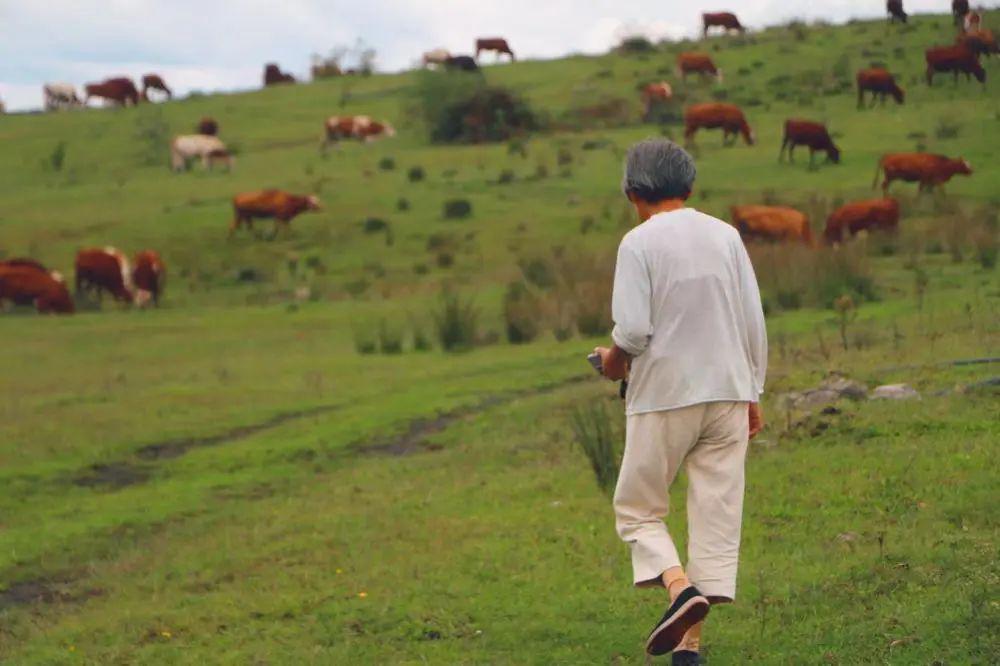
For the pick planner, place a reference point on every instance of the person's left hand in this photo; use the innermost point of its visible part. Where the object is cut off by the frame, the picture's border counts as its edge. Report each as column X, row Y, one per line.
column 614, row 362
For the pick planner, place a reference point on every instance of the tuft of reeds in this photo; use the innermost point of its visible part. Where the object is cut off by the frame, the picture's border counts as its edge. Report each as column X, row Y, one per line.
column 601, row 441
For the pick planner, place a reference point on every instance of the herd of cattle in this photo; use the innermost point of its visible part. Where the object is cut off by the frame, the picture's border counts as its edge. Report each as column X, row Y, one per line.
column 98, row 271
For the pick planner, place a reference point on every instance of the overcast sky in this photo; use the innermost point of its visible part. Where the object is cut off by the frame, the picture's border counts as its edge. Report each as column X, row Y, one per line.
column 222, row 44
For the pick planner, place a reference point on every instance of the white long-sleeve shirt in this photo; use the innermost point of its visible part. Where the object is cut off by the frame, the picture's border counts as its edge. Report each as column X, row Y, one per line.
column 687, row 308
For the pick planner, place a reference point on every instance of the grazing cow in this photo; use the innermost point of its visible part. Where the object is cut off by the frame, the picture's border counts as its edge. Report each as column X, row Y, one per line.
column 929, row 170
column 274, row 76
column 361, row 128
column 959, row 9
column 496, row 44
column 656, row 93
column 895, row 9
column 24, row 262
column 210, row 149
column 980, row 42
column 772, row 223
column 462, row 63
column 725, row 20
column 714, row 115
column 149, row 274
column 27, row 285
column 879, row 82
column 120, row 91
column 154, row 82
column 871, row 215
column 60, row 96
column 280, row 206
column 207, row 126
column 436, row 57
column 99, row 270
column 697, row 63
column 808, row 133
column 954, row 59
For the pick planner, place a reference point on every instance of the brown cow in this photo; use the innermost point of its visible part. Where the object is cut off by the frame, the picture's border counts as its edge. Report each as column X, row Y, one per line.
column 811, row 134
column 655, row 93
column 154, row 82
column 980, row 42
column 361, row 128
column 120, row 91
column 207, row 126
column 725, row 20
column 954, row 59
column 274, row 76
column 959, row 8
column 106, row 269
column 871, row 215
column 149, row 274
column 879, row 82
column 714, row 115
column 697, row 63
column 895, row 9
column 27, row 285
column 772, row 223
column 929, row 170
column 280, row 206
column 496, row 44
column 24, row 262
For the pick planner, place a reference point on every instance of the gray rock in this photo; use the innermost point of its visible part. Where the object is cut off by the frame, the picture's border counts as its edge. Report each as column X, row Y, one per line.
column 895, row 392
column 847, row 388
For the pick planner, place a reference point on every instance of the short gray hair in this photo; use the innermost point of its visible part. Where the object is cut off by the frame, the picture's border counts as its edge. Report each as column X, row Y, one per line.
column 657, row 169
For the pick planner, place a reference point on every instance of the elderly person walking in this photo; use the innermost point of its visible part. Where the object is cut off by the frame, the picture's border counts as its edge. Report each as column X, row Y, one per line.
column 689, row 333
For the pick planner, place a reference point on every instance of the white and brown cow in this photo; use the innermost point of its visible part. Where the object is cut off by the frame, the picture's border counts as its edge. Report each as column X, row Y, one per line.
column 210, row 149
column 107, row 269
column 60, row 96
column 436, row 57
column 361, row 128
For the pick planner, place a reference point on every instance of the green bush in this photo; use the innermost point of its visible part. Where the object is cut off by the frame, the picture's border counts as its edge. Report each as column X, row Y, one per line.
column 416, row 174
column 457, row 209
column 387, row 164
column 463, row 109
column 456, row 322
column 635, row 45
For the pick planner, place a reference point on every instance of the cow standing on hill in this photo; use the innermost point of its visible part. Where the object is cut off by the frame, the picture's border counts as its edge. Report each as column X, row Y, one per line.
column 896, row 12
column 725, row 20
column 210, row 149
column 60, row 96
column 654, row 94
column 498, row 45
column 107, row 270
column 715, row 115
column 771, row 223
column 280, row 206
column 462, row 63
column 28, row 283
column 959, row 9
column 858, row 216
column 880, row 83
column 361, row 128
column 155, row 82
column 929, row 170
column 811, row 134
column 697, row 63
column 149, row 274
column 955, row 59
column 120, row 91
column 436, row 57
column 274, row 76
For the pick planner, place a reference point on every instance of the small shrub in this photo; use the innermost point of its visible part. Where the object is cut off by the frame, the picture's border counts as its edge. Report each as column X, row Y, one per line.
column 57, row 158
column 444, row 259
column 987, row 248
column 365, row 343
column 457, row 209
column 522, row 313
column 416, row 174
column 947, row 129
column 387, row 164
column 390, row 341
column 599, row 438
column 463, row 109
column 420, row 340
column 563, row 156
column 539, row 272
column 374, row 225
column 517, row 146
column 789, row 299
column 506, row 177
column 456, row 322
column 636, row 45
column 403, row 204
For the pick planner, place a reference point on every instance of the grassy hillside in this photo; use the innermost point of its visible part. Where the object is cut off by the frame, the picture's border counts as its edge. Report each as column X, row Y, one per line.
column 227, row 480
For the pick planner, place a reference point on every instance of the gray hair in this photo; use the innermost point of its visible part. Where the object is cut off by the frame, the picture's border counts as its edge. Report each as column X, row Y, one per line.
column 657, row 169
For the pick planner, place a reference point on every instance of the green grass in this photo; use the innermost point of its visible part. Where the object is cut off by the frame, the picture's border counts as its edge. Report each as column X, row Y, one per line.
column 279, row 495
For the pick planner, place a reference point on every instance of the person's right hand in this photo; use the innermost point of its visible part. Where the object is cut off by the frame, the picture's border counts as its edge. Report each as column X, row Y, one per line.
column 756, row 416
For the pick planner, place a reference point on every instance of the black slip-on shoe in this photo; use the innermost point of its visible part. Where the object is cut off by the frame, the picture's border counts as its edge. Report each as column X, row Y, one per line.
column 688, row 609
column 685, row 658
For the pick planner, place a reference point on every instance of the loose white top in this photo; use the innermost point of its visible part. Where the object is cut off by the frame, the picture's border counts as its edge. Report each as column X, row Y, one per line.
column 687, row 307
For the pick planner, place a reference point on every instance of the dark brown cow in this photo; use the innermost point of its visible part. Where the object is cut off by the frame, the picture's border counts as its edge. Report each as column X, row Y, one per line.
column 27, row 285
column 895, row 9
column 929, row 170
column 280, row 206
column 24, row 262
column 104, row 269
column 697, row 63
column 880, row 83
column 274, row 76
column 715, row 115
column 725, row 20
column 980, row 42
column 811, row 134
column 155, row 82
column 959, row 8
column 871, row 215
column 462, row 63
column 498, row 45
column 149, row 274
column 772, row 223
column 954, row 59
column 120, row 90
column 207, row 126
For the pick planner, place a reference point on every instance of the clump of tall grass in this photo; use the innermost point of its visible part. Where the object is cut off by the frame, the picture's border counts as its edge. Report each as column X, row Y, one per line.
column 599, row 436
column 523, row 312
column 795, row 275
column 456, row 321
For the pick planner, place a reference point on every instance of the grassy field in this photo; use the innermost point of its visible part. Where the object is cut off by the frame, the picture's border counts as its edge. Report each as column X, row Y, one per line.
column 226, row 479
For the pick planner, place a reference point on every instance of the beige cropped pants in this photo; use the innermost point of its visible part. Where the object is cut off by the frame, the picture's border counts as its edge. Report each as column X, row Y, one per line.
column 710, row 440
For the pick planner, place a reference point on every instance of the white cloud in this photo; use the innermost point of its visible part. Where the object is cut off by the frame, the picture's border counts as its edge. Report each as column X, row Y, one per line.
column 221, row 44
